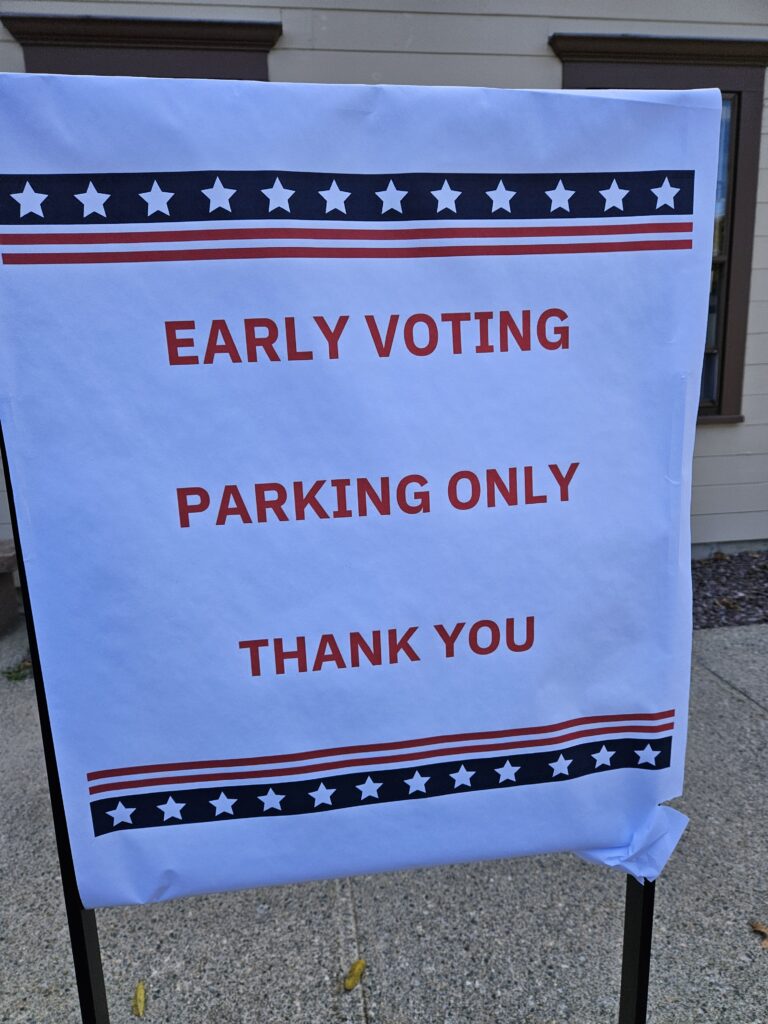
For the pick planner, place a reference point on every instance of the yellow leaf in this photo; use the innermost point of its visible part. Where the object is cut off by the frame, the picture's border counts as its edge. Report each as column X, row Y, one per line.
column 139, row 1000
column 354, row 974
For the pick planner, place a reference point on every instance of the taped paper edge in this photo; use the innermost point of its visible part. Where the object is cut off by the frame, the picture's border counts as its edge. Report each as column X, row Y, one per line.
column 651, row 847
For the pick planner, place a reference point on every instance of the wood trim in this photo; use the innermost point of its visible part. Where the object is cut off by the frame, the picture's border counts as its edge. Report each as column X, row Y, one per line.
column 659, row 50
column 603, row 74
column 144, row 33
column 712, row 419
column 743, row 213
column 732, row 65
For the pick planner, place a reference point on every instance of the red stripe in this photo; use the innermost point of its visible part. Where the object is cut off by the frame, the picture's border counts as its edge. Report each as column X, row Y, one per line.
column 371, row 748
column 364, row 234
column 165, row 781
column 319, row 252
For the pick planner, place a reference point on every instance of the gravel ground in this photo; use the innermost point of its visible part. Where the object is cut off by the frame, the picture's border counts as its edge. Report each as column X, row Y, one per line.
column 730, row 590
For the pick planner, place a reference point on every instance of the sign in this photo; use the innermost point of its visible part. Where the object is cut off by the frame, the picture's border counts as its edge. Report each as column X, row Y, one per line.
column 350, row 433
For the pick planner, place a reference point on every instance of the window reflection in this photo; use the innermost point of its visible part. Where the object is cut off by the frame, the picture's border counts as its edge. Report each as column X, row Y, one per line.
column 710, row 378
column 723, row 176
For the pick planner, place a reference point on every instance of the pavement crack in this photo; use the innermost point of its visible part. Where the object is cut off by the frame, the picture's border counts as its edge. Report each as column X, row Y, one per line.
column 363, row 992
column 350, row 948
column 732, row 686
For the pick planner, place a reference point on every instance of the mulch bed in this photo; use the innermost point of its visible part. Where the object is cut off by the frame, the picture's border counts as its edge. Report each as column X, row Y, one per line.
column 730, row 590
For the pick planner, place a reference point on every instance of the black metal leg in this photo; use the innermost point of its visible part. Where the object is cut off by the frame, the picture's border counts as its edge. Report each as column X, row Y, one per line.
column 636, row 957
column 88, row 969
column 82, row 923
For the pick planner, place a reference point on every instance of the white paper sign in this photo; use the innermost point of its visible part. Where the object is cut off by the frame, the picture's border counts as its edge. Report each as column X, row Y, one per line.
column 350, row 433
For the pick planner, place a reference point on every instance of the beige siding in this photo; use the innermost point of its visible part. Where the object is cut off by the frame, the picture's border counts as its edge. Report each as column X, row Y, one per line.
column 755, row 409
column 748, row 469
column 733, row 439
column 504, row 43
column 691, row 14
column 730, row 527
column 350, row 66
column 721, row 499
column 11, row 58
column 757, row 342
column 756, row 381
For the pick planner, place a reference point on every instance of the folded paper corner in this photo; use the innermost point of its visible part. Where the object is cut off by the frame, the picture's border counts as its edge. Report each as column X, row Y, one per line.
column 650, row 848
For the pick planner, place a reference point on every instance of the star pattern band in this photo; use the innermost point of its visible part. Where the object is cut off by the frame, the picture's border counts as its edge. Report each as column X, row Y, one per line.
column 332, row 792
column 221, row 195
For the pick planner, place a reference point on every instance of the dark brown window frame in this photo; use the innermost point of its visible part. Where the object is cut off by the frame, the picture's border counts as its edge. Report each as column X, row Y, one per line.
column 151, row 47
column 731, row 65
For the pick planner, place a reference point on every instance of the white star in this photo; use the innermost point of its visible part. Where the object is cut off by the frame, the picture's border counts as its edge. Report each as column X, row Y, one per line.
column 157, row 200
column 369, row 788
column 500, row 197
column 392, row 198
column 665, row 194
column 278, row 196
column 223, row 804
column 603, row 756
column 335, row 198
column 446, row 197
column 29, row 201
column 507, row 772
column 93, row 201
column 614, row 196
column 322, row 795
column 271, row 800
column 121, row 814
column 560, row 197
column 417, row 783
column 647, row 755
column 218, row 196
column 461, row 778
column 170, row 809
column 560, row 766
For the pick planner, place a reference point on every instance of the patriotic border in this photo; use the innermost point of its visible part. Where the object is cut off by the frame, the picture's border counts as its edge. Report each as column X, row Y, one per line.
column 241, row 216
column 325, row 252
column 170, row 806
column 189, row 202
column 148, row 796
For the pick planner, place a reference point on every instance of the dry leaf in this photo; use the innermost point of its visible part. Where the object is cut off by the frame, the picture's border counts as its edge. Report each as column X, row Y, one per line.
column 761, row 929
column 354, row 974
column 139, row 1000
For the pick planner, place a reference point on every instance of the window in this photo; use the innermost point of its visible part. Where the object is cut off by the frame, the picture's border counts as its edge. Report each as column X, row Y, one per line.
column 151, row 48
column 737, row 68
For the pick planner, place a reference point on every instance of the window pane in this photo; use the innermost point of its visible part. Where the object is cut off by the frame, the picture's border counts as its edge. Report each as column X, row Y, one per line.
column 715, row 306
column 723, row 176
column 710, row 370
column 709, row 376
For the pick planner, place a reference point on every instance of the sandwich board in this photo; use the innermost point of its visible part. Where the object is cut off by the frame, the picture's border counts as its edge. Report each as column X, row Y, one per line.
column 349, row 433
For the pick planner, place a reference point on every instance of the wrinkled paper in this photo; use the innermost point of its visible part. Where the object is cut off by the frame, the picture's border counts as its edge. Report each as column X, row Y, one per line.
column 350, row 434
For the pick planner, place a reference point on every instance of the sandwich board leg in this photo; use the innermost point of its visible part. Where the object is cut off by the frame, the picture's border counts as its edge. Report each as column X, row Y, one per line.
column 83, row 934
column 636, row 956
column 87, row 957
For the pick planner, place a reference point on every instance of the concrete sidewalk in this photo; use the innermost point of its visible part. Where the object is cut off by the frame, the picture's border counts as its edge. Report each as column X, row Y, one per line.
column 508, row 942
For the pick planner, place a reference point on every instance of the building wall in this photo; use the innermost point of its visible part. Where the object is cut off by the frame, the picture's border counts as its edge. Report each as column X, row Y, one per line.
column 504, row 43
